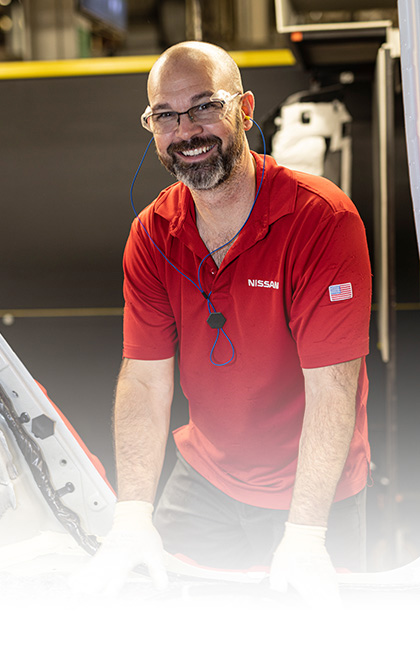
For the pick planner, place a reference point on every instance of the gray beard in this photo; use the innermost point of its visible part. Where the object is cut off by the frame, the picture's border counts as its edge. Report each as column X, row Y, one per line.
column 211, row 173
column 201, row 177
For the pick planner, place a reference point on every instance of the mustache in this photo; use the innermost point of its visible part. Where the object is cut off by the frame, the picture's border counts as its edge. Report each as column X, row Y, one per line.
column 193, row 143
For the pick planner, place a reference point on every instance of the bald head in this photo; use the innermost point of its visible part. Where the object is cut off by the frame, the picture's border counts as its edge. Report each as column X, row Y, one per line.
column 185, row 78
column 195, row 57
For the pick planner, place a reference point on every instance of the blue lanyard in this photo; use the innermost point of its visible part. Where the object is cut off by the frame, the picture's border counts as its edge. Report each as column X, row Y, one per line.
column 216, row 320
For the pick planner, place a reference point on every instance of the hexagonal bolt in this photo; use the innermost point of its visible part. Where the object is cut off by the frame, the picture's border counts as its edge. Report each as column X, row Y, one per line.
column 42, row 427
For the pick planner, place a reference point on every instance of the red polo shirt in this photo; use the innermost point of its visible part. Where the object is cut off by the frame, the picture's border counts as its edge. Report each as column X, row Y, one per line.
column 295, row 289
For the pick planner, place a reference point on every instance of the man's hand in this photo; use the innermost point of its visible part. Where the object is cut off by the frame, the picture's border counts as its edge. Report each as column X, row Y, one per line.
column 302, row 561
column 132, row 540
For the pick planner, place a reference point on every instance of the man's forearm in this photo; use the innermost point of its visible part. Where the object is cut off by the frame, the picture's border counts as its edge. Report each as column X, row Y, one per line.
column 141, row 423
column 326, row 435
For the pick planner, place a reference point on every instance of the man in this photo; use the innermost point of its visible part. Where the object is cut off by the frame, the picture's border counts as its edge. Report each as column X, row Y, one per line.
column 276, row 380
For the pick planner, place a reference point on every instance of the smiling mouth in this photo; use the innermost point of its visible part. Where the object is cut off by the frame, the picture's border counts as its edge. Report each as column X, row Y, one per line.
column 190, row 153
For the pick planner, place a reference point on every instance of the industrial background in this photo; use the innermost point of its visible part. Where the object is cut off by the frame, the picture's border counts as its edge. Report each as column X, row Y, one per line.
column 72, row 88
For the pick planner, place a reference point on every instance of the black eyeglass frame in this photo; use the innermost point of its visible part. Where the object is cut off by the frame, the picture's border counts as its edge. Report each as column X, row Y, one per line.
column 221, row 96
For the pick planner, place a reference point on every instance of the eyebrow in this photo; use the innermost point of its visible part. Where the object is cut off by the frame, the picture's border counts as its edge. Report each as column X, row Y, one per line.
column 194, row 99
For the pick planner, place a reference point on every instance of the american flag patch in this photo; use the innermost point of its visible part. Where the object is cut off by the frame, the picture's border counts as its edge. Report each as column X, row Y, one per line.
column 340, row 291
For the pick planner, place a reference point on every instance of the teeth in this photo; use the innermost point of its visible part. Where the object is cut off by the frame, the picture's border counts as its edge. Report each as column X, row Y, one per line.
column 198, row 151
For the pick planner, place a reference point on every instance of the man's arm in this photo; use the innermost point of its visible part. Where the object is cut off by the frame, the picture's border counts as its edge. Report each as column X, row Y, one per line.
column 328, row 426
column 301, row 559
column 142, row 410
column 141, row 423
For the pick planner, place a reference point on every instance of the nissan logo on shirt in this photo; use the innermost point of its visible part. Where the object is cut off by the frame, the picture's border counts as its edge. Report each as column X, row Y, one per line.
column 259, row 283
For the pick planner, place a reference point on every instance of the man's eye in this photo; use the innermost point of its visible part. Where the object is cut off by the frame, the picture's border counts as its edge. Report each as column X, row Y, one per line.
column 204, row 107
column 164, row 116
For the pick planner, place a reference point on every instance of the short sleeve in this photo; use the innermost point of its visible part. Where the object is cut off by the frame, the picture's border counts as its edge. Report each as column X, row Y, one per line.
column 149, row 326
column 331, row 300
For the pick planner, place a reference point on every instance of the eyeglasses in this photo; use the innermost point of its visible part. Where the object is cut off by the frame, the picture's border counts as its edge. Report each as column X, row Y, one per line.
column 212, row 111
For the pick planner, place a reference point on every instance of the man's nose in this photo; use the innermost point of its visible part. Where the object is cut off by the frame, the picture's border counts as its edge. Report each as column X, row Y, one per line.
column 187, row 127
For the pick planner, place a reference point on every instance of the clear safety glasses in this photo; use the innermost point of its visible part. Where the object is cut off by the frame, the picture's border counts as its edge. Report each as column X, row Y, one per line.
column 212, row 111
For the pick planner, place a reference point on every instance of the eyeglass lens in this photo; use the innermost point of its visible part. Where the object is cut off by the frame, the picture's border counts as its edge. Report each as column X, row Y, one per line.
column 205, row 113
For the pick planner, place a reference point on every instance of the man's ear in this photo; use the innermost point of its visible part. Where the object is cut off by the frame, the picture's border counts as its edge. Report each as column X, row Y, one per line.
column 247, row 109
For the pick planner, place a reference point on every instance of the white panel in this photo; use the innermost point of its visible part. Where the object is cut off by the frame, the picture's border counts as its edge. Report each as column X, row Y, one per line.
column 409, row 15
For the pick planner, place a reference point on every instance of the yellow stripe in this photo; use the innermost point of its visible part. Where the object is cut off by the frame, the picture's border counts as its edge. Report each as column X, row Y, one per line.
column 408, row 306
column 250, row 58
column 402, row 306
column 58, row 312
column 117, row 311
column 76, row 67
column 118, row 65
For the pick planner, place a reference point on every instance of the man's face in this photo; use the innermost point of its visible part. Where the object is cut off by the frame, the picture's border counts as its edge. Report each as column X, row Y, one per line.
column 202, row 157
column 219, row 160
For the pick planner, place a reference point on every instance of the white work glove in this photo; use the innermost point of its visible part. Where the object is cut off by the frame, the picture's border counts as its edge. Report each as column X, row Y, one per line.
column 301, row 560
column 132, row 540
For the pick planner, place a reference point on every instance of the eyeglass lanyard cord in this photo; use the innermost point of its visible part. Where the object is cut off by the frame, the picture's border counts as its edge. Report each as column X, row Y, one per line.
column 198, row 285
